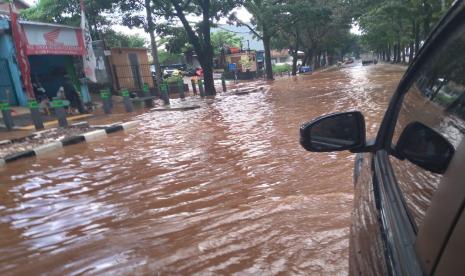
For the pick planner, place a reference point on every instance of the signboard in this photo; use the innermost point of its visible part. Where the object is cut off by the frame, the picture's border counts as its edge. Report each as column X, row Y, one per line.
column 90, row 62
column 21, row 52
column 232, row 67
column 101, row 72
column 45, row 39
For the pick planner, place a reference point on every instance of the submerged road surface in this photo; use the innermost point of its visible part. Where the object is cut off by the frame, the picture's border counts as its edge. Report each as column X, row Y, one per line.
column 219, row 190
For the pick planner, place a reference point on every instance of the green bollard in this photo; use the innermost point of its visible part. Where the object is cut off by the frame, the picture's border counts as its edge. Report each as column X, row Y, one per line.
column 202, row 91
column 223, row 83
column 164, row 93
column 106, row 99
column 146, row 90
column 60, row 112
column 182, row 94
column 194, row 89
column 127, row 101
column 6, row 113
column 35, row 114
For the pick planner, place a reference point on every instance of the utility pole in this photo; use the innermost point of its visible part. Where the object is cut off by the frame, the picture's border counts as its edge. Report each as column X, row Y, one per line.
column 153, row 43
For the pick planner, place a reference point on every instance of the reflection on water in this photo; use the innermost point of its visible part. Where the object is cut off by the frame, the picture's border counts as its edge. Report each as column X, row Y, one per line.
column 222, row 189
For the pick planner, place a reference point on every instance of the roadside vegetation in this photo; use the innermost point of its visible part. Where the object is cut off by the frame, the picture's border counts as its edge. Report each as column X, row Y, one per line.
column 395, row 29
column 317, row 32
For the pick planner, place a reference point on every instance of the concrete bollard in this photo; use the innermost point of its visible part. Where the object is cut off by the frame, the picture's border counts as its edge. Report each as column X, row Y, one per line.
column 6, row 113
column 223, row 83
column 182, row 93
column 127, row 101
column 149, row 102
column 35, row 114
column 194, row 89
column 164, row 93
column 201, row 89
column 106, row 99
column 60, row 112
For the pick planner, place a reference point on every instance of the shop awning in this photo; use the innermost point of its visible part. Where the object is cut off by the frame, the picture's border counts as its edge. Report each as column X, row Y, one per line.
column 52, row 39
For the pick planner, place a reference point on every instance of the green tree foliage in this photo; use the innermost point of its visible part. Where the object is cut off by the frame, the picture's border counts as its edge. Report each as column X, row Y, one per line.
column 68, row 12
column 117, row 39
column 395, row 28
column 223, row 38
column 198, row 33
column 319, row 28
column 261, row 25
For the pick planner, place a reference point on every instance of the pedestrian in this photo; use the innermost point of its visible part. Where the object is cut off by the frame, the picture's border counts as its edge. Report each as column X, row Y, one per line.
column 41, row 96
column 75, row 104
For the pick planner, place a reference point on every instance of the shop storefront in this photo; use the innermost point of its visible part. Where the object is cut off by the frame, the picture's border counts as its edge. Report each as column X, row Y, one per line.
column 10, row 78
column 54, row 51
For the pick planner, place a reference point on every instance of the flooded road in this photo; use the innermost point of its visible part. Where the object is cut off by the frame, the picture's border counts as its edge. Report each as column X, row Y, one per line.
column 225, row 189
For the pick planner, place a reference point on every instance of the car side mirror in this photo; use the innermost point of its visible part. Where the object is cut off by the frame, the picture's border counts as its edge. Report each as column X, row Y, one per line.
column 335, row 132
column 425, row 148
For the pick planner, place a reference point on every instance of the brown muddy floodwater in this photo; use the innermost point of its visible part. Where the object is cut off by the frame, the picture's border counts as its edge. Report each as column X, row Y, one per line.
column 225, row 189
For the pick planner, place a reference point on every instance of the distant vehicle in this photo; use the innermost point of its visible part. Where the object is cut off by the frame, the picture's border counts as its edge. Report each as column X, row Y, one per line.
column 349, row 61
column 172, row 72
column 368, row 58
column 409, row 192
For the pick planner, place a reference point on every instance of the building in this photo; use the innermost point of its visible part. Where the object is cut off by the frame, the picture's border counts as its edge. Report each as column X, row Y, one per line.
column 243, row 61
column 11, row 89
column 10, row 78
column 45, row 52
column 131, row 68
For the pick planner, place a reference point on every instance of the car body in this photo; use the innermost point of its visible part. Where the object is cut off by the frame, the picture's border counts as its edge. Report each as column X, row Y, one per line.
column 368, row 58
column 171, row 72
column 349, row 60
column 409, row 182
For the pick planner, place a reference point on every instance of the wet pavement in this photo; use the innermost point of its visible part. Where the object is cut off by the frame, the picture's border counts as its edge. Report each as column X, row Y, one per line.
column 222, row 189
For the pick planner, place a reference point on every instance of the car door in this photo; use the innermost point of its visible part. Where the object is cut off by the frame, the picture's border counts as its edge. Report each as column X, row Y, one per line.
column 411, row 195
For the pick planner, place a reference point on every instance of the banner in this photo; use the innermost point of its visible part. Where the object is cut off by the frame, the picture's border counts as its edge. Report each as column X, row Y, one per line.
column 21, row 55
column 49, row 39
column 90, row 62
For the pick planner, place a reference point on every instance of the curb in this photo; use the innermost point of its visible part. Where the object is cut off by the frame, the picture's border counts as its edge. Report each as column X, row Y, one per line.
column 53, row 146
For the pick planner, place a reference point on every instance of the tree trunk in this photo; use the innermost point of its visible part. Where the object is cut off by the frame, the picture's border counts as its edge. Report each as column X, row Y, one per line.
column 153, row 44
column 306, row 56
column 266, row 45
column 410, row 56
column 388, row 53
column 207, row 66
column 403, row 55
column 394, row 50
column 295, row 54
column 201, row 43
column 208, row 51
column 427, row 13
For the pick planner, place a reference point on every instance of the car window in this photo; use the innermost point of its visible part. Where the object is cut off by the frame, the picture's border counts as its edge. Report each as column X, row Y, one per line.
column 436, row 98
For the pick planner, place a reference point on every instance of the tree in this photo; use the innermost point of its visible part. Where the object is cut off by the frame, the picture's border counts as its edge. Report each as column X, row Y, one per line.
column 198, row 33
column 117, row 39
column 319, row 28
column 68, row 12
column 393, row 28
column 223, row 38
column 261, row 26
column 132, row 17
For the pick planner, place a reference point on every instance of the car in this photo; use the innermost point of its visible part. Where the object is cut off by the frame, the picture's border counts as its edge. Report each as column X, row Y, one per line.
column 409, row 181
column 170, row 72
column 349, row 61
